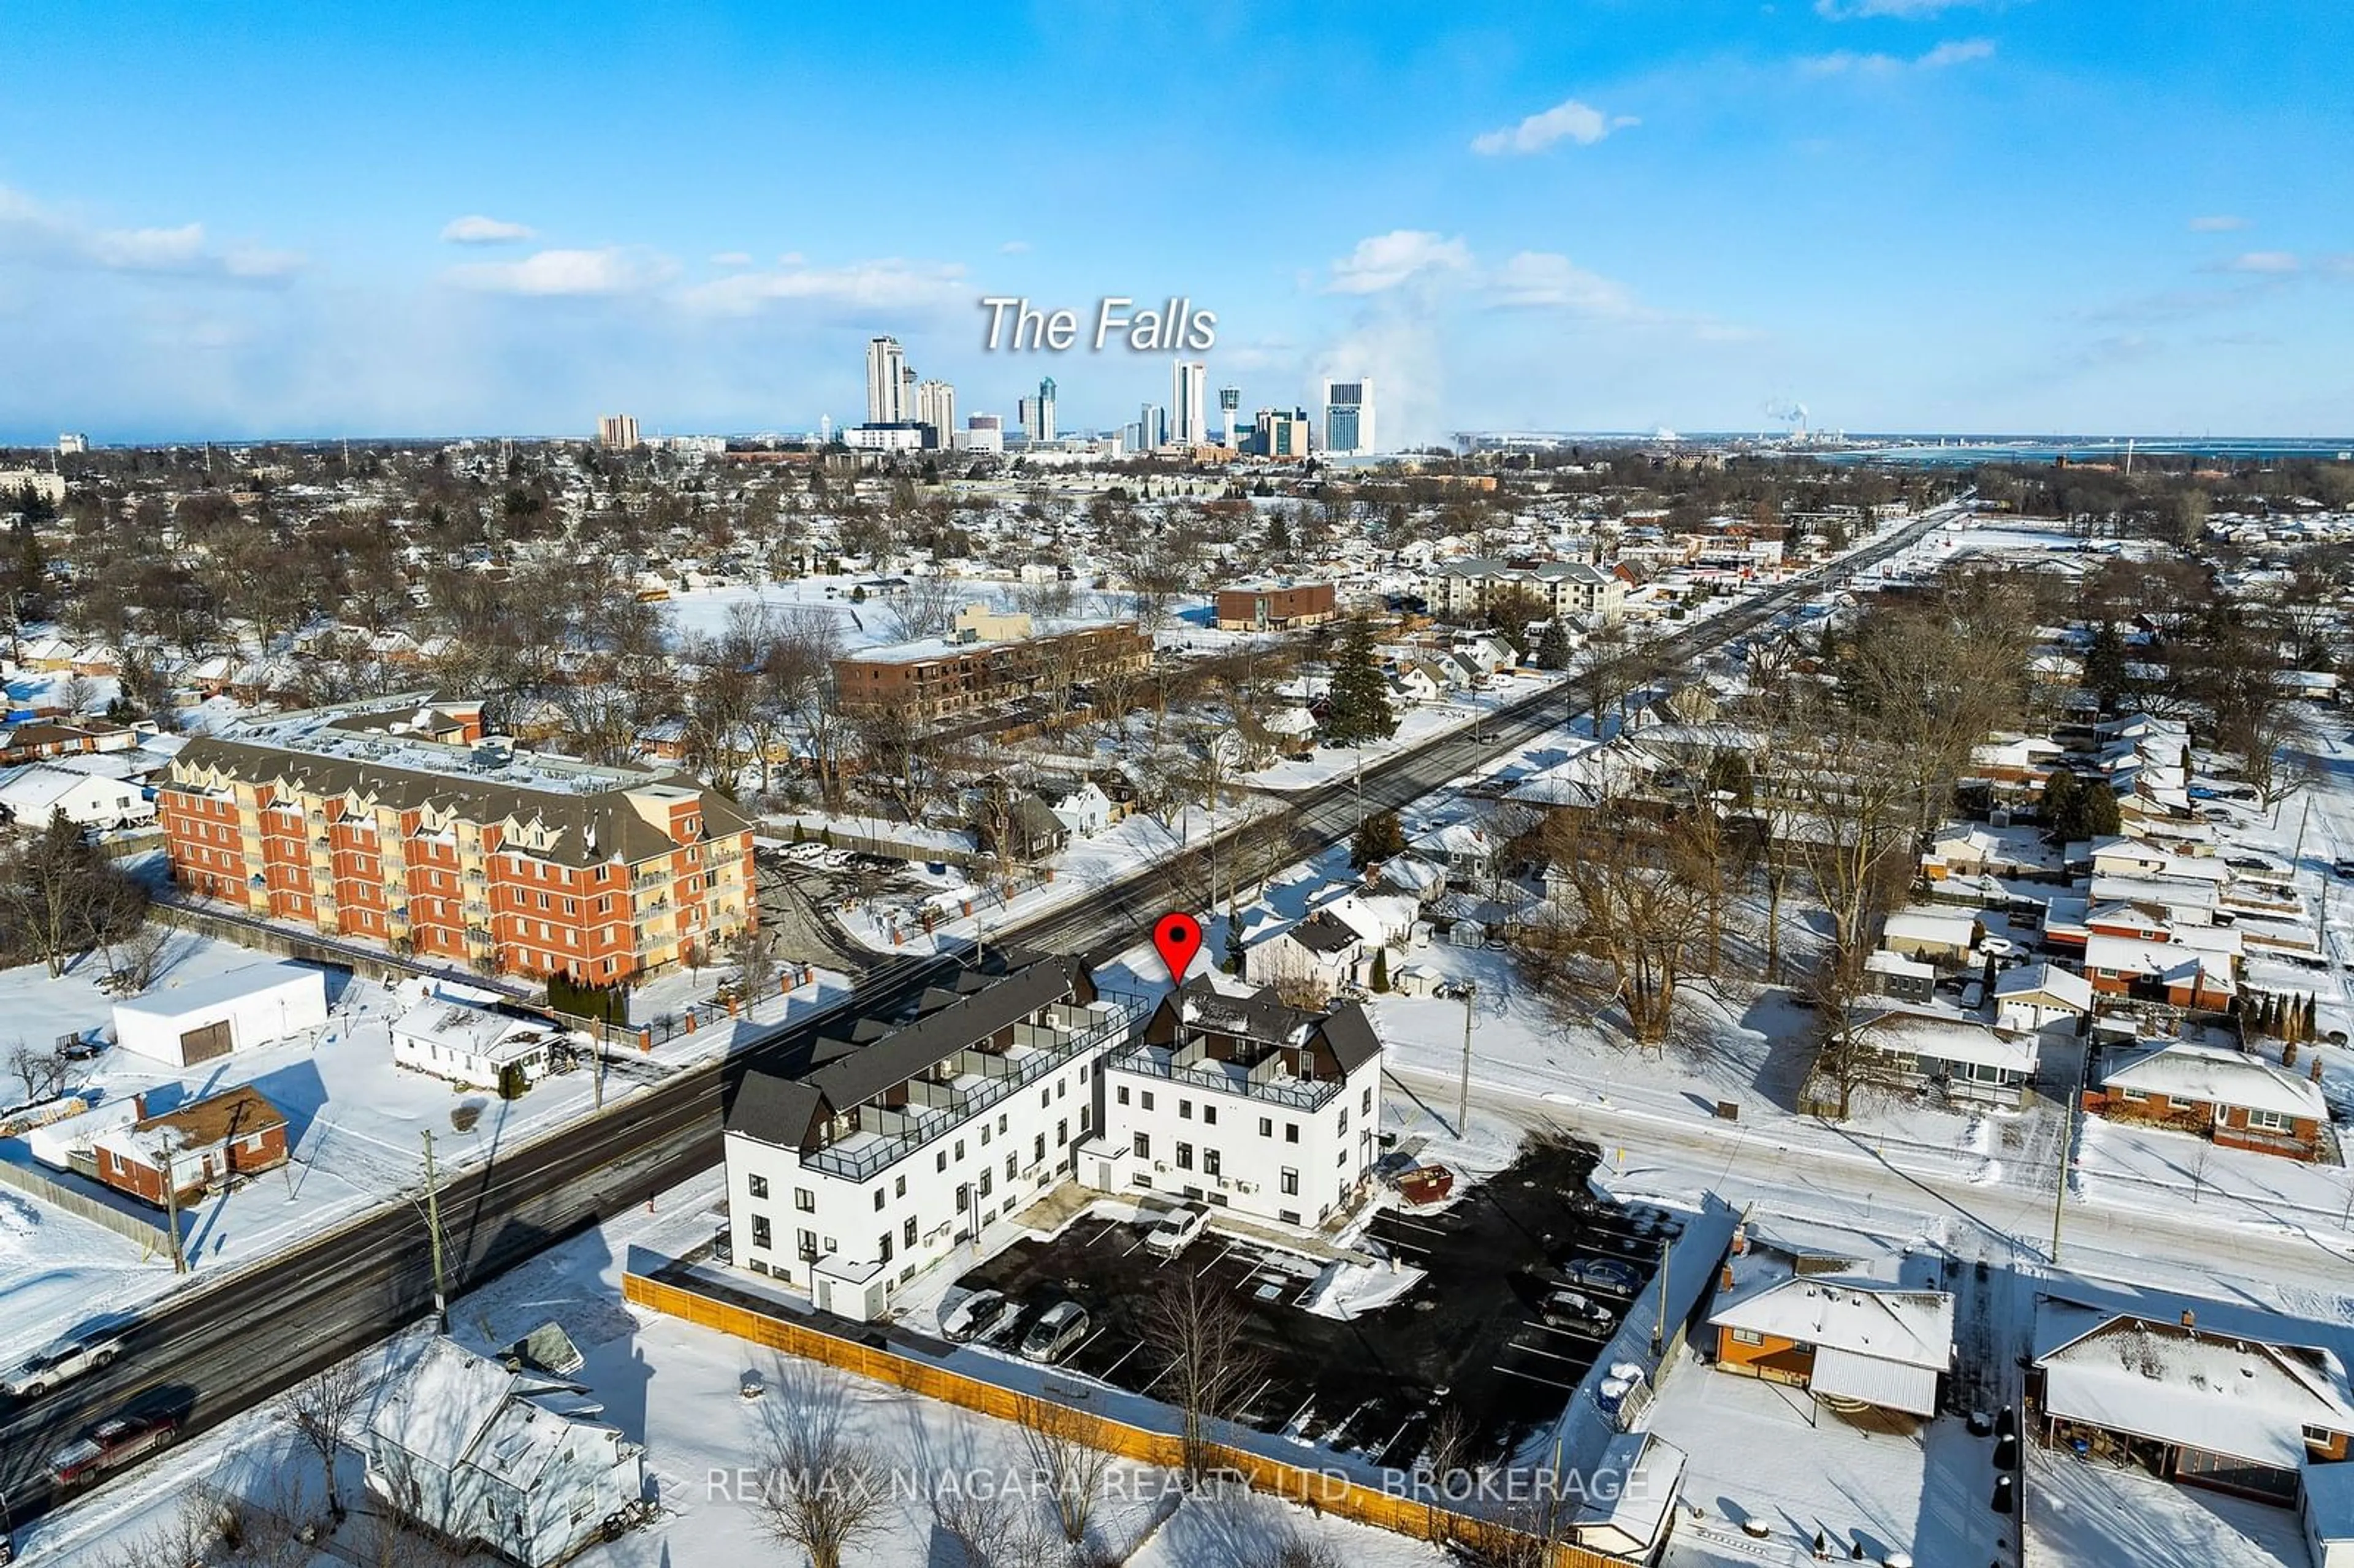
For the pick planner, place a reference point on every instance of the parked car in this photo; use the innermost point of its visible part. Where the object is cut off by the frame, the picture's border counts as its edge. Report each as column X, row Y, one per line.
column 1176, row 1232
column 1056, row 1334
column 1606, row 1272
column 110, row 1445
column 62, row 1362
column 2344, row 868
column 1572, row 1309
column 976, row 1316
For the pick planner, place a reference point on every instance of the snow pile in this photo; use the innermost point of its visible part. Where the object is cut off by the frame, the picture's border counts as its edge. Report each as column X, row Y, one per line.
column 1347, row 1289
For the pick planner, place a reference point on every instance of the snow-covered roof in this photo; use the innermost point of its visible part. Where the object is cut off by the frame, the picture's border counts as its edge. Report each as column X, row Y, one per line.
column 1629, row 1493
column 1866, row 1318
column 173, row 1001
column 2185, row 1070
column 2062, row 986
column 436, row 1409
column 1949, row 1037
column 469, row 1031
column 2219, row 1393
column 1919, row 925
column 1884, row 962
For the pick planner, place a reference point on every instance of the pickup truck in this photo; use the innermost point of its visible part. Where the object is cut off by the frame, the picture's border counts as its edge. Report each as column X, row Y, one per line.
column 62, row 1362
column 110, row 1445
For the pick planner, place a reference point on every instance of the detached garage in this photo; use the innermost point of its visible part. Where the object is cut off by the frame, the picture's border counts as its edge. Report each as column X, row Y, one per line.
column 236, row 1010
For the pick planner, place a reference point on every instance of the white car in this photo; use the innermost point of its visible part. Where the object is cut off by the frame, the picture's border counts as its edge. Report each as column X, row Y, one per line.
column 1174, row 1234
column 62, row 1362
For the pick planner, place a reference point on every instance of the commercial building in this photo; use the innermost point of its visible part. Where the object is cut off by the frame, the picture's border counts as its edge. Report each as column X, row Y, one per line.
column 1467, row 586
column 17, row 481
column 1275, row 604
column 905, row 437
column 1280, row 435
column 1230, row 417
column 987, row 658
column 1188, row 387
column 1237, row 1100
column 886, row 377
column 1349, row 418
column 906, row 1138
column 617, row 432
column 71, row 444
column 236, row 1010
column 983, row 433
column 1037, row 414
column 936, row 406
column 398, row 822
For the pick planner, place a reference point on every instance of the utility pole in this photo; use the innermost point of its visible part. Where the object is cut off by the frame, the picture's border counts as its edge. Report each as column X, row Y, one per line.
column 2067, row 1141
column 433, row 1235
column 2297, row 855
column 1463, row 1086
column 172, row 1211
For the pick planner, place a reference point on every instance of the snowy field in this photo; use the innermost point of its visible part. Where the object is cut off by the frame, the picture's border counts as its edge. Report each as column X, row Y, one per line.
column 353, row 1119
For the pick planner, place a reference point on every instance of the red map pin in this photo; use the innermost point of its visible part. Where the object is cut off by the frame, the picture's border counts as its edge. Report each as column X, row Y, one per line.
column 1178, row 937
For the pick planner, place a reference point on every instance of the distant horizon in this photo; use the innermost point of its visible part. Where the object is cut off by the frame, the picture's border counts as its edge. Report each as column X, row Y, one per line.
column 1923, row 214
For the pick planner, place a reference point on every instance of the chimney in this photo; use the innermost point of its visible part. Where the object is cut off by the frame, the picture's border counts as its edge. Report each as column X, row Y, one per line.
column 2190, row 1320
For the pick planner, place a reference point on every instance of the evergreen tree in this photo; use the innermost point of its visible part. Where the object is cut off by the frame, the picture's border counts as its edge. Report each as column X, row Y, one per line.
column 1553, row 646
column 1381, row 969
column 2105, row 666
column 1359, row 708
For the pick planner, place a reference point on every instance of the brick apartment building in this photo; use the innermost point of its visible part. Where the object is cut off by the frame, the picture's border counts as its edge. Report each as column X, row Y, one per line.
column 399, row 822
column 1275, row 606
column 987, row 658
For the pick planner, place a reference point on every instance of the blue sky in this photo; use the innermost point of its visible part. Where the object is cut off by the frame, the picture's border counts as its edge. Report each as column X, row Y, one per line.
column 221, row 220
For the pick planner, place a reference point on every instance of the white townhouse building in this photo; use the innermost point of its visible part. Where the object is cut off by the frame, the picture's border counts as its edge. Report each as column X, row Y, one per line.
column 1465, row 586
column 1236, row 1100
column 906, row 1138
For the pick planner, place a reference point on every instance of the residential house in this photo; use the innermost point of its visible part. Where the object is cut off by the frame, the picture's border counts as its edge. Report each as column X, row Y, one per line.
column 1940, row 935
column 1898, row 978
column 2190, row 967
column 904, row 1139
column 1469, row 854
column 478, row 1455
column 1237, row 1099
column 477, row 1046
column 202, row 1145
column 1964, row 1058
column 2235, row 1097
column 33, row 794
column 2032, row 997
column 2210, row 1395
column 1317, row 957
column 1272, row 604
column 1083, row 809
column 1849, row 1330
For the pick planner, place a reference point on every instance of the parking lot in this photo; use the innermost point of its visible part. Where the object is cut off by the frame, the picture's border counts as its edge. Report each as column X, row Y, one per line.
column 1475, row 1333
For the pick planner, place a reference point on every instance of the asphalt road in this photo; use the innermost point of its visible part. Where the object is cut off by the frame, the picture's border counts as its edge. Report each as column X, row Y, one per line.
column 218, row 1346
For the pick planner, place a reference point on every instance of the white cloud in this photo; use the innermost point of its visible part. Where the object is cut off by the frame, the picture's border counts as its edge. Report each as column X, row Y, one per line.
column 890, row 284
column 1015, row 247
column 1542, row 279
column 1848, row 62
column 2270, row 262
column 49, row 237
column 732, row 258
column 476, row 230
column 1566, row 121
column 612, row 270
column 1385, row 260
column 1902, row 10
column 2219, row 223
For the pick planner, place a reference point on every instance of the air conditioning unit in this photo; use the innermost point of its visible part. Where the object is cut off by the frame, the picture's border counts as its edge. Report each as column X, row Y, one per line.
column 1244, row 1186
column 1161, row 1166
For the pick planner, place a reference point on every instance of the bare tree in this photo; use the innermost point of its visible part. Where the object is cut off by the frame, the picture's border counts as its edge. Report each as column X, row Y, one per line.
column 824, row 1487
column 756, row 966
column 43, row 1072
column 1072, row 1468
column 188, row 1533
column 1631, row 919
column 927, row 606
column 322, row 1409
column 57, row 895
column 1209, row 1370
column 990, row 1529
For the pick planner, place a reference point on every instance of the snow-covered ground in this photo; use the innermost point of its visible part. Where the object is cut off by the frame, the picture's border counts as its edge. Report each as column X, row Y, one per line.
column 354, row 1125
column 1417, row 726
column 677, row 1389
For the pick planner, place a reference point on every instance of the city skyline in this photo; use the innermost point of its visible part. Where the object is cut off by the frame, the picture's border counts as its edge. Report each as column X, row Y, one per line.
column 1896, row 214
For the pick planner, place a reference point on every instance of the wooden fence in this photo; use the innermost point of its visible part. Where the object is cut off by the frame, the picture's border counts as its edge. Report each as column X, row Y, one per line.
column 1327, row 1490
column 150, row 1235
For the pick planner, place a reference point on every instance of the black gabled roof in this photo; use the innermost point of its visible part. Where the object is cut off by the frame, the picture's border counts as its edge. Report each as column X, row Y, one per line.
column 780, row 1110
column 1350, row 1034
column 1265, row 1017
column 1324, row 933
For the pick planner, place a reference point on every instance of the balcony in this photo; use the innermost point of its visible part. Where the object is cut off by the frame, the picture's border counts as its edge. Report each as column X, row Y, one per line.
column 1261, row 1082
column 936, row 1108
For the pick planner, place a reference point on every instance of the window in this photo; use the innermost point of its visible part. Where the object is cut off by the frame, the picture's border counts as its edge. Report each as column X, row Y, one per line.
column 1291, row 1132
column 1266, row 1127
column 984, row 1135
column 899, row 1188
column 960, row 1151
column 940, row 1161
column 1012, row 1164
column 987, row 1183
column 1184, row 1110
column 1747, row 1337
column 1289, row 1216
column 1046, row 1098
column 1122, row 1094
column 1062, row 1088
column 1366, row 1103
column 878, row 1199
column 2131, row 1094
column 1062, row 1133
column 758, row 1186
column 1343, row 1161
column 1185, row 1157
column 1038, row 1147
column 2321, row 1437
column 1210, row 1162
column 883, row 1247
column 1000, row 1124
column 1291, row 1182
column 1145, row 1098
column 2269, row 1121
column 1086, row 1114
column 1210, row 1115
column 1343, row 1127
column 907, row 1231
column 804, row 1200
column 805, row 1243
column 760, row 1231
column 1143, row 1146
